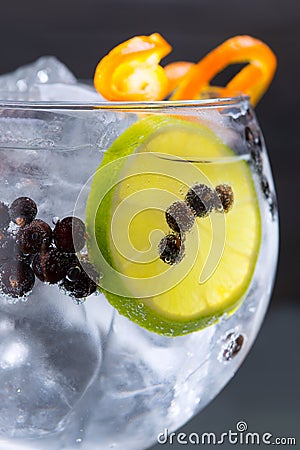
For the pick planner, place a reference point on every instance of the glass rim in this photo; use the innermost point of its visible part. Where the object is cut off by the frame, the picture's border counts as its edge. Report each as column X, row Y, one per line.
column 217, row 102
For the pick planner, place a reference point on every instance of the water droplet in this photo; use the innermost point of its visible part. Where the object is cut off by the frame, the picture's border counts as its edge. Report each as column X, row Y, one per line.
column 18, row 390
column 101, row 276
column 78, row 440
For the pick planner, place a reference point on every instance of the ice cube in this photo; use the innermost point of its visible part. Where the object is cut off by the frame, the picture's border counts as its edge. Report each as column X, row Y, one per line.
column 45, row 367
column 46, row 79
column 78, row 92
column 22, row 84
column 61, row 129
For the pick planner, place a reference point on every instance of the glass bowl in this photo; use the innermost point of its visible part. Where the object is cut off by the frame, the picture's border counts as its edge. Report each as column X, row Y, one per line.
column 74, row 373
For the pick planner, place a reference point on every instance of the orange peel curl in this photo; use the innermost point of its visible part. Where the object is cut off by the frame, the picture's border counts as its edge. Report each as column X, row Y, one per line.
column 131, row 71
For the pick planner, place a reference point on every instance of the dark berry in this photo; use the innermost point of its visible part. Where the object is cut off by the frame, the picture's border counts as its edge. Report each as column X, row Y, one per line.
column 77, row 283
column 180, row 217
column 171, row 249
column 69, row 234
column 249, row 115
column 9, row 250
column 249, row 136
column 226, row 196
column 22, row 211
column 7, row 247
column 252, row 138
column 25, row 258
column 257, row 160
column 234, row 346
column 16, row 279
column 4, row 216
column 33, row 237
column 51, row 265
column 202, row 199
column 272, row 205
column 265, row 186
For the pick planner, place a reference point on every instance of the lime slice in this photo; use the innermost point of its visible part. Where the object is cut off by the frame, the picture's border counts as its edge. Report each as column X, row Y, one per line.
column 142, row 173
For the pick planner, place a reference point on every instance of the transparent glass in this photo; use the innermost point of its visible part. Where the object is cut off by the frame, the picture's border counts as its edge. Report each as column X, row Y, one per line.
column 78, row 374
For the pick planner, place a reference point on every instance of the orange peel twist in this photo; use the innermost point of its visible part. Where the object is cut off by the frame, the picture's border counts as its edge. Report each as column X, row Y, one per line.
column 131, row 71
column 176, row 71
column 252, row 80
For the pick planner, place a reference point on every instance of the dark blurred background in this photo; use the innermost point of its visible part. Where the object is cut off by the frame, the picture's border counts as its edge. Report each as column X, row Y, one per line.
column 266, row 391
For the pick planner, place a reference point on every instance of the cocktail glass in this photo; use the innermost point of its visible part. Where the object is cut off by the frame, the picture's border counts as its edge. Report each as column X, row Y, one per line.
column 77, row 374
